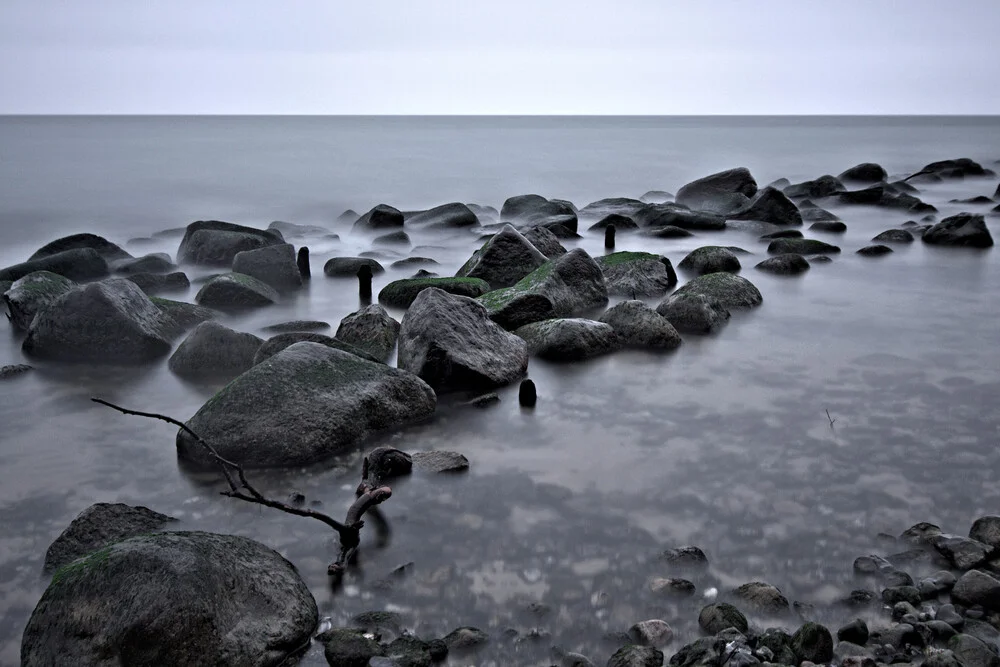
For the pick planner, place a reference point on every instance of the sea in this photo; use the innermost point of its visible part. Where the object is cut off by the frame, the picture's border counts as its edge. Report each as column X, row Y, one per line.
column 859, row 399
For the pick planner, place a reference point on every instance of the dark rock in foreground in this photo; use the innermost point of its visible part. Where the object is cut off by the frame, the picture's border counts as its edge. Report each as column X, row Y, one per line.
column 111, row 252
column 962, row 230
column 216, row 243
column 731, row 291
column 451, row 342
column 635, row 274
column 98, row 526
column 347, row 267
column 787, row 264
column 349, row 648
column 172, row 599
column 212, row 351
column 638, row 325
column 81, row 264
column 303, row 405
column 570, row 339
column 401, row 293
column 694, row 313
column 370, row 329
column 814, row 643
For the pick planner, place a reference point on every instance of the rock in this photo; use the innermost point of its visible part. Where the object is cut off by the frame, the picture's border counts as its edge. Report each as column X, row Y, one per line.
column 638, row 325
column 672, row 587
column 824, row 186
column 731, row 291
column 527, row 394
column 814, row 643
column 800, row 247
column 787, row 264
column 877, row 250
column 157, row 283
column 274, row 266
column 214, row 351
column 450, row 342
column 717, row 617
column 866, row 172
column 894, row 236
column 466, row 638
column 656, row 197
column 370, row 329
column 235, row 291
column 487, row 215
column 32, row 294
column 653, row 632
column 724, row 193
column 408, row 651
column 920, row 534
column 846, row 649
column 172, row 599
column 503, row 260
column 984, row 632
column 109, row 251
column 402, row 293
column 782, row 234
column 964, row 229
column 710, row 259
column 830, row 227
column 763, row 598
column 693, row 313
column 570, row 659
column 347, row 267
column 667, row 232
column 111, row 321
column 636, row 656
column 986, row 529
column 14, row 370
column 703, row 652
column 215, row 243
column 349, row 648
column 570, row 339
column 379, row 217
column 349, row 217
column 942, row 631
column 296, row 325
column 977, row 588
column 963, row 553
column 941, row 658
column 535, row 210
column 303, row 405
column 545, row 242
column 636, row 274
column 770, row 205
column 894, row 594
column 438, row 461
column 621, row 207
column 290, row 229
column 971, row 652
column 937, row 583
column 155, row 263
column 98, row 526
column 673, row 215
column 879, row 195
column 982, row 200
column 276, row 344
column 959, row 168
column 398, row 237
column 81, row 264
column 855, row 632
column 567, row 285
column 619, row 222
column 446, row 216
column 181, row 316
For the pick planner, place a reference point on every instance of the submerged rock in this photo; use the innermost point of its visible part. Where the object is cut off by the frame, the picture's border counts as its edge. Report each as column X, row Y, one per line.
column 877, row 250
column 638, row 325
column 296, row 325
column 694, row 313
column 636, row 274
column 535, row 210
column 959, row 168
column 370, row 329
column 214, row 351
column 291, row 229
column 673, row 215
column 347, row 267
column 894, row 236
column 98, row 526
column 787, row 264
column 723, row 193
column 216, row 243
column 570, row 339
column 817, row 214
column 731, row 291
column 829, row 226
column 801, row 247
column 303, row 405
column 32, row 294
column 451, row 342
column 274, row 266
column 382, row 216
column 504, row 259
column 770, row 205
column 235, row 291
column 710, row 259
column 14, row 370
column 276, row 344
column 667, row 232
column 398, row 238
column 401, row 293
column 111, row 252
column 155, row 263
column 451, row 216
column 172, row 599
column 964, row 229
column 866, row 172
column 80, row 264
column 824, row 186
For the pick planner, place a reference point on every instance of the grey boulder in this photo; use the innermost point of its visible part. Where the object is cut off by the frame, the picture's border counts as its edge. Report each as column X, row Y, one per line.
column 216, row 243
column 570, row 339
column 787, row 264
column 504, row 259
column 98, row 526
column 723, row 193
column 452, row 216
column 79, row 264
column 770, row 205
column 545, row 241
column 635, row 274
column 976, row 587
column 273, row 265
column 212, row 351
column 866, row 172
column 159, row 262
column 111, row 252
column 694, row 313
column 638, row 325
column 157, row 283
column 801, row 247
column 370, row 329
column 32, row 294
column 276, row 344
column 347, row 267
column 382, row 216
column 962, row 230
column 235, row 291
column 710, row 259
column 731, row 291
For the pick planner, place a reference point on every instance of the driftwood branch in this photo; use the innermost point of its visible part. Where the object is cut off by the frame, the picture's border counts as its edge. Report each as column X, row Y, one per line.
column 369, row 495
column 830, row 418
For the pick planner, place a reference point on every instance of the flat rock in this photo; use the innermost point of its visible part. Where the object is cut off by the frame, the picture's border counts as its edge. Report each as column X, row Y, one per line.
column 638, row 325
column 396, row 238
column 439, row 461
column 731, row 291
column 212, row 351
column 303, row 405
column 347, row 267
column 782, row 234
column 787, row 264
column 273, row 265
column 32, row 294
column 710, row 259
column 801, row 247
column 296, row 325
column 877, row 250
column 172, row 599
column 370, row 329
column 962, row 230
column 276, row 344
column 382, row 216
column 667, row 232
column 571, row 339
column 504, row 259
column 402, row 293
column 80, row 264
column 235, row 291
column 98, row 526
column 111, row 252
column 694, row 313
column 216, row 243
column 291, row 229
column 635, row 274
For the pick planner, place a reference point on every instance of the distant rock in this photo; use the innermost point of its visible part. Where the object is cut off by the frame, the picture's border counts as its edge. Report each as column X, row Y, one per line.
column 770, row 205
column 154, row 263
column 216, row 243
column 111, row 252
column 80, row 264
column 396, row 238
column 801, row 247
column 212, row 351
column 448, row 216
column 894, row 236
column 504, row 259
column 99, row 526
column 828, row 226
column 722, row 193
column 487, row 215
column 639, row 326
column 730, row 290
column 878, row 195
column 382, row 216
column 303, row 405
column 620, row 206
column 710, row 259
column 570, row 339
column 656, row 197
column 981, row 200
column 693, row 313
column 274, row 266
column 965, row 229
column 236, row 291
column 866, row 172
column 959, row 168
column 348, row 217
column 402, row 293
column 667, row 232
column 296, row 325
column 788, row 264
column 347, row 267
column 619, row 222
column 32, row 294
column 535, row 210
column 635, row 274
column 370, row 329
column 276, row 344
column 413, row 261
column 782, row 234
column 290, row 229
column 877, row 250
column 545, row 241
column 674, row 215
column 824, row 186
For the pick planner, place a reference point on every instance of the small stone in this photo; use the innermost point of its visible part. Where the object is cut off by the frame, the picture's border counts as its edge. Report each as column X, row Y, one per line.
column 653, row 632
column 439, row 461
column 855, row 632
column 466, row 638
column 687, row 556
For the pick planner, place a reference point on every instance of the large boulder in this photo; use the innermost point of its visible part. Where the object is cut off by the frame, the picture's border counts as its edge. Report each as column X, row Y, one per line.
column 447, row 215
column 801, row 247
column 693, row 313
column 638, row 325
column 172, row 599
column 977, row 588
column 621, row 206
column 370, row 329
column 731, row 291
column 866, row 172
column 504, row 259
column 986, row 529
column 347, row 267
column 157, row 283
column 965, row 230
column 32, row 294
column 274, row 266
column 382, row 216
column 276, row 344
column 959, row 168
column 401, row 293
column 673, row 215
column 235, row 291
column 535, row 210
column 710, row 259
column 770, row 205
column 98, row 526
column 762, row 597
column 824, row 186
column 545, row 241
column 111, row 321
column 570, row 339
column 80, row 264
column 303, row 405
column 813, row 642
column 181, row 316
column 111, row 252
column 723, row 193
column 215, row 243
column 158, row 262
column 565, row 286
column 212, row 351
column 635, row 274
column 451, row 342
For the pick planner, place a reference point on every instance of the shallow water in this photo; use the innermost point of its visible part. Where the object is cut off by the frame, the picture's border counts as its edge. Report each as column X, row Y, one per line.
column 724, row 444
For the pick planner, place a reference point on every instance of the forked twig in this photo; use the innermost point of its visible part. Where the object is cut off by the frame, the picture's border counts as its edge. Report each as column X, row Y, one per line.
column 830, row 418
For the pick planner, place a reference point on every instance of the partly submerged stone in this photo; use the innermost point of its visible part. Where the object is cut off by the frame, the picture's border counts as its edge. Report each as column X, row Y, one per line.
column 866, row 172
column 964, row 229
column 675, row 215
column 111, row 252
column 535, row 210
column 504, row 259
column 638, row 325
column 303, row 405
column 635, row 274
column 79, row 264
column 723, row 193
column 276, row 344
column 570, row 339
column 273, row 265
column 32, row 294
column 175, row 598
column 770, row 205
column 876, row 250
column 828, row 226
column 347, row 267
column 236, row 291
column 216, row 243
column 731, row 291
column 787, row 264
column 801, row 247
column 370, row 329
column 824, row 186
column 213, row 351
column 545, row 241
column 159, row 262
column 894, row 236
column 401, row 293
column 710, row 259
column 158, row 283
column 454, row 215
column 694, row 313
column 382, row 216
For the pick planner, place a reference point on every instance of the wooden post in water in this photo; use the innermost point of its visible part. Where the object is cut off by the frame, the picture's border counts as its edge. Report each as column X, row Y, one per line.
column 302, row 260
column 609, row 237
column 365, row 282
column 527, row 395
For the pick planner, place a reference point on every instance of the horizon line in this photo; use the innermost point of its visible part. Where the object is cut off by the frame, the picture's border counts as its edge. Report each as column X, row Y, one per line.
column 501, row 115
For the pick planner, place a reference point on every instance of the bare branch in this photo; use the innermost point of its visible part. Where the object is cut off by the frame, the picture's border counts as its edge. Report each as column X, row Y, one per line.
column 830, row 418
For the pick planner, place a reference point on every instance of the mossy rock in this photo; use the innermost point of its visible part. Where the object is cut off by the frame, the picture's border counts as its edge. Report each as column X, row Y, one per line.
column 731, row 291
column 401, row 293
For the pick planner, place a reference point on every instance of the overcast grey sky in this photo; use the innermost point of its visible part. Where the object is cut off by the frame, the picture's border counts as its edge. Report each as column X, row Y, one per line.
column 507, row 57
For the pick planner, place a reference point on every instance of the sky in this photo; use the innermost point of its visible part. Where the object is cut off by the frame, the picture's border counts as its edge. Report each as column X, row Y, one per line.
column 510, row 57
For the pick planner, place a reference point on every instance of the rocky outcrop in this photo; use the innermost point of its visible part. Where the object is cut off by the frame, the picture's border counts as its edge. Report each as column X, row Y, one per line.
column 370, row 329
column 347, row 267
column 401, row 293
column 962, row 230
column 303, row 405
column 503, row 260
column 639, row 326
column 212, row 351
column 216, row 243
column 723, row 193
column 98, row 526
column 274, row 266
column 172, row 599
column 710, row 259
column 235, row 291
column 451, row 343
column 635, row 274
column 382, row 216
column 729, row 290
column 693, row 313
column 571, row 339
column 448, row 216
column 111, row 252
column 32, row 294
column 80, row 264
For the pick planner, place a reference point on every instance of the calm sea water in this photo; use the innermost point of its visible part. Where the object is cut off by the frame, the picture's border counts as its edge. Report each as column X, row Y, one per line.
column 724, row 444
